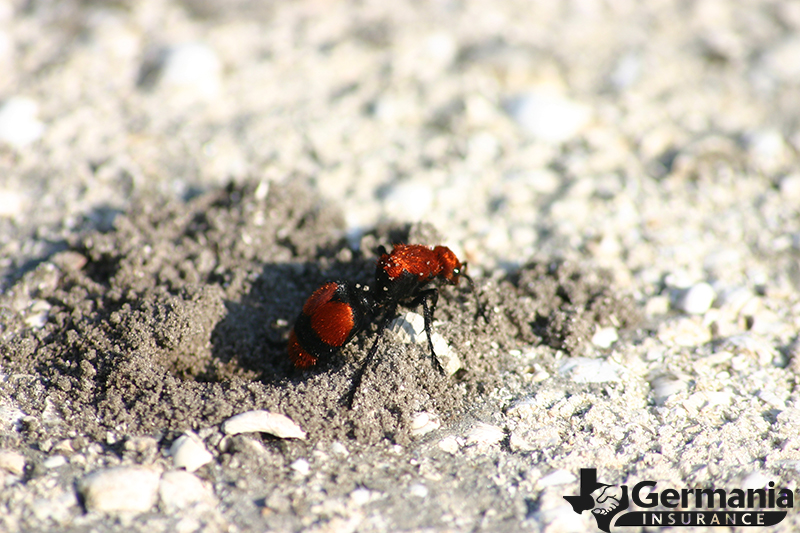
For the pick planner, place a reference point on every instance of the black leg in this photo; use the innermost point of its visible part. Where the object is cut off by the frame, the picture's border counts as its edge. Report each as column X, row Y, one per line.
column 428, row 309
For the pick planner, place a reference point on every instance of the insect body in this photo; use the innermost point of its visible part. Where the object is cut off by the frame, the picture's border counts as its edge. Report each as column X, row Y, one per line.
column 339, row 310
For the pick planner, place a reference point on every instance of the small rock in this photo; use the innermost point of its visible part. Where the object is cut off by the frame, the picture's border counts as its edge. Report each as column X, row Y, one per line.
column 557, row 477
column 685, row 331
column 767, row 149
column 605, row 337
column 695, row 300
column 410, row 329
column 360, row 497
column 548, row 116
column 518, row 443
column 301, row 466
column 189, row 452
column 58, row 506
column 10, row 203
column 485, row 435
column 560, row 519
column 782, row 61
column 339, row 449
column 54, row 461
column 423, row 423
column 179, row 490
column 38, row 313
column 412, row 200
column 751, row 347
column 263, row 421
column 120, row 489
column 19, row 122
column 419, row 490
column 585, row 370
column 790, row 187
column 666, row 385
column 627, row 71
column 735, row 299
column 449, row 445
column 756, row 480
column 12, row 462
column 772, row 399
column 657, row 305
column 192, row 69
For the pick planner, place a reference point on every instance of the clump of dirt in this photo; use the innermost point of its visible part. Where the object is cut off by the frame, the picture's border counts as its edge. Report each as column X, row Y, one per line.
column 177, row 318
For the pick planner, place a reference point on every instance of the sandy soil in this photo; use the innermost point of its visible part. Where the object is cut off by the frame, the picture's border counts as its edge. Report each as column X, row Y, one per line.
column 177, row 177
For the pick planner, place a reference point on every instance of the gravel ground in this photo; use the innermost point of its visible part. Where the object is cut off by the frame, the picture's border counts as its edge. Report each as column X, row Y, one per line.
column 177, row 177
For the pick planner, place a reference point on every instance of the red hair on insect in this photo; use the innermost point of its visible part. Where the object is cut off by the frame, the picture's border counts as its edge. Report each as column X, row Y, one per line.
column 331, row 316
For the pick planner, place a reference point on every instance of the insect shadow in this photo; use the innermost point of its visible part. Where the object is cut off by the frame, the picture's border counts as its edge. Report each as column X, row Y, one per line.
column 250, row 341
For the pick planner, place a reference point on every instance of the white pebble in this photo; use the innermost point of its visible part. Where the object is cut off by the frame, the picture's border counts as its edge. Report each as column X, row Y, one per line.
column 58, row 506
column 189, row 452
column 12, row 462
column 419, row 490
column 409, row 200
column 39, row 311
column 179, row 490
column 10, row 203
column 627, row 71
column 410, row 329
column 423, row 423
column 772, row 399
column 790, row 187
column 121, row 489
column 10, row 416
column 192, row 69
column 54, row 461
column 548, row 116
column 360, row 497
column 585, row 370
column 695, row 300
column 301, row 466
column 782, row 61
column 657, row 305
column 684, row 331
column 665, row 386
column 263, row 421
column 339, row 449
column 19, row 122
column 605, row 337
column 767, row 149
column 557, row 477
column 756, row 480
column 449, row 445
column 485, row 434
column 735, row 299
column 561, row 519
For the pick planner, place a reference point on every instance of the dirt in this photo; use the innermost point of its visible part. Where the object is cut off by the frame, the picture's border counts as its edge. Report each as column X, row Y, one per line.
column 177, row 318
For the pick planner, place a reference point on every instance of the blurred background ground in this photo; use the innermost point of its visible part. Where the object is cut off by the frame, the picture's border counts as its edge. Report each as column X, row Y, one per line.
column 655, row 145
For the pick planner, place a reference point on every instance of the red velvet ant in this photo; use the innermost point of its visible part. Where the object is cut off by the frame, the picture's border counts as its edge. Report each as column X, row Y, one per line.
column 339, row 310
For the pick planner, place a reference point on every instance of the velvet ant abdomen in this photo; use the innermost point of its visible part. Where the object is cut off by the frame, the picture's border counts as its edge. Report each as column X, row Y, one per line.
column 330, row 318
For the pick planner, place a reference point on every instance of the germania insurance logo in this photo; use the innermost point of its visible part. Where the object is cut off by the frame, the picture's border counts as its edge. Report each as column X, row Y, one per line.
column 679, row 508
